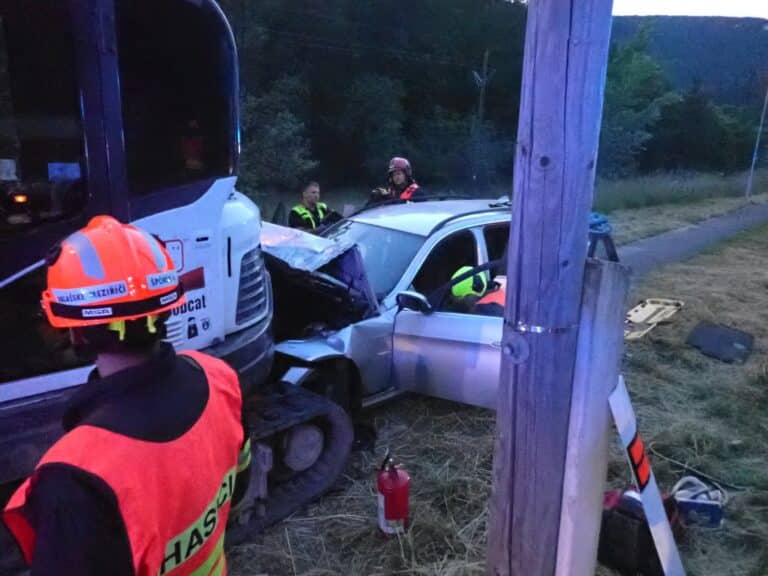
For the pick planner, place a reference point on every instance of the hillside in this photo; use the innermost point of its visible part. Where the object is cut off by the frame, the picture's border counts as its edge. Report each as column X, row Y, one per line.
column 727, row 55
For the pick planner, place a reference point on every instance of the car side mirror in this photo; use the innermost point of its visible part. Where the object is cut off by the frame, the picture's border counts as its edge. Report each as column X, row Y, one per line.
column 415, row 301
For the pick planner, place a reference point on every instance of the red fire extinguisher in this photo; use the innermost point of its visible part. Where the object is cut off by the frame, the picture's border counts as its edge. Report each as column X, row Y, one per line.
column 393, row 485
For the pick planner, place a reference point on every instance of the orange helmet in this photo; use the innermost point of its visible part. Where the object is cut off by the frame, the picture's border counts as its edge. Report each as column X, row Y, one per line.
column 108, row 272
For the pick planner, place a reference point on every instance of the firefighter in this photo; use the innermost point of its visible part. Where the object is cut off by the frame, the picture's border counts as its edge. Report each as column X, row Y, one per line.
column 493, row 302
column 466, row 292
column 310, row 214
column 142, row 481
column 401, row 185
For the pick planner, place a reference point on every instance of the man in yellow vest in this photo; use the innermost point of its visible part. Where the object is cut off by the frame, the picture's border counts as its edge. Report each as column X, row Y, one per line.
column 310, row 214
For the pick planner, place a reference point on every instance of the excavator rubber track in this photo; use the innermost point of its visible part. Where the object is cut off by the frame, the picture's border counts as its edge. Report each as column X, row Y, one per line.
column 272, row 415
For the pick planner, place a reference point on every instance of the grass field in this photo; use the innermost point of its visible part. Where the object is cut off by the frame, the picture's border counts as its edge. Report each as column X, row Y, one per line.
column 646, row 206
column 640, row 192
column 691, row 409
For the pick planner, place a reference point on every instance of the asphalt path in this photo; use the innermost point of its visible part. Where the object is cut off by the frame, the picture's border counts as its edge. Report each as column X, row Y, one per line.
column 647, row 254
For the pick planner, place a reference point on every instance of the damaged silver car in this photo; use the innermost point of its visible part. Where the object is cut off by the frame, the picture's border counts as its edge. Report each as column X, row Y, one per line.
column 367, row 310
column 369, row 305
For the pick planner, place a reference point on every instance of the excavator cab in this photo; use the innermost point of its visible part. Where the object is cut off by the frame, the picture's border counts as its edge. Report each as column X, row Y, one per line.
column 127, row 108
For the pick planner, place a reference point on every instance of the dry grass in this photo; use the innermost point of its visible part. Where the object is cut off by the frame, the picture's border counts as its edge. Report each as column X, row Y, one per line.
column 447, row 449
column 709, row 415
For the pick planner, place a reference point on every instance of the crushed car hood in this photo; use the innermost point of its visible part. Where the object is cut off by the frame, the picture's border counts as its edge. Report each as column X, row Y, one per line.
column 319, row 264
column 299, row 250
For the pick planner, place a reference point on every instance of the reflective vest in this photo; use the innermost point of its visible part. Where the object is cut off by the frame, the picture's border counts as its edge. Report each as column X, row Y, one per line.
column 306, row 214
column 174, row 497
column 496, row 297
column 407, row 194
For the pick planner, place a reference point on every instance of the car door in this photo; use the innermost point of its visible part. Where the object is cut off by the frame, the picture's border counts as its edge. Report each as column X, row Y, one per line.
column 448, row 354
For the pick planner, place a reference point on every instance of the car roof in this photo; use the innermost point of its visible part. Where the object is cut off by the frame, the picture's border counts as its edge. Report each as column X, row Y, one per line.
column 422, row 218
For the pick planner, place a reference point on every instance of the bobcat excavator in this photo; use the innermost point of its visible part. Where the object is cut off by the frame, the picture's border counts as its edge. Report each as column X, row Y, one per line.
column 130, row 108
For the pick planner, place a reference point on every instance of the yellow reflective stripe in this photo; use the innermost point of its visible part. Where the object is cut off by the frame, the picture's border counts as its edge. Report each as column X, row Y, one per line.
column 216, row 556
column 119, row 327
column 181, row 548
column 244, row 460
column 304, row 213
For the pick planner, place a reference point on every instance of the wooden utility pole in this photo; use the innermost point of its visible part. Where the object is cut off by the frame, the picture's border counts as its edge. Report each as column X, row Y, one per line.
column 479, row 140
column 566, row 53
column 482, row 83
column 756, row 152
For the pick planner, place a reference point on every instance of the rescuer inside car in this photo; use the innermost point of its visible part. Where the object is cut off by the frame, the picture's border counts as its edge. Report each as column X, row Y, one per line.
column 494, row 300
column 142, row 481
column 466, row 289
column 400, row 183
column 471, row 293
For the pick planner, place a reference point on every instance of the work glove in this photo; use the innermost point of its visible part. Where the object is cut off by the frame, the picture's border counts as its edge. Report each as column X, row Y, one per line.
column 380, row 194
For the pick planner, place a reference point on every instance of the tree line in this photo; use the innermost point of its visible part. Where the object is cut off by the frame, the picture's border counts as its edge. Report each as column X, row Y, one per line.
column 649, row 127
column 331, row 90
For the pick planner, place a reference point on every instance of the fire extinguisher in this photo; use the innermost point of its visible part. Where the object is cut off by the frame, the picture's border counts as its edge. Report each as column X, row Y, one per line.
column 393, row 484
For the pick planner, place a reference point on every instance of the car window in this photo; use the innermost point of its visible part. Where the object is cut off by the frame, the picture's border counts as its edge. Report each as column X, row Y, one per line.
column 386, row 253
column 485, row 300
column 171, row 141
column 496, row 241
column 445, row 259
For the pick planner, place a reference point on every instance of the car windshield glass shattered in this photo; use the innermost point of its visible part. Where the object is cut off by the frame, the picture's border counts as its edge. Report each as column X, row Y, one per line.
column 386, row 253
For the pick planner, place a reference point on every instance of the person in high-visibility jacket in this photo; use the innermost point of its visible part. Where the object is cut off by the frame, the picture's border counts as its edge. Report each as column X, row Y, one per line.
column 401, row 184
column 142, row 481
column 310, row 214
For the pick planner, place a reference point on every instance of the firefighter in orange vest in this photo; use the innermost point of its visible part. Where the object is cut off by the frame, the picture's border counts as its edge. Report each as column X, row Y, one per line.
column 401, row 185
column 492, row 303
column 142, row 482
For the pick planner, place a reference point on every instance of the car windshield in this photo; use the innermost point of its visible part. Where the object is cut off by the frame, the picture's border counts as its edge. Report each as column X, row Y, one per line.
column 386, row 253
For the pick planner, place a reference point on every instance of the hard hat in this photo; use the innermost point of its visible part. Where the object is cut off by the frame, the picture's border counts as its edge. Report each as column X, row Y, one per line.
column 398, row 163
column 108, row 272
column 472, row 285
